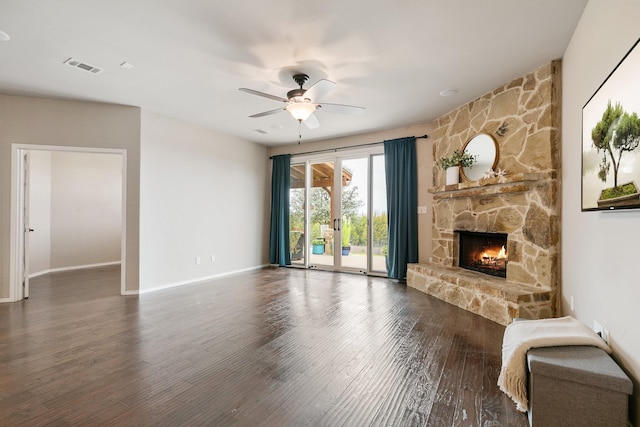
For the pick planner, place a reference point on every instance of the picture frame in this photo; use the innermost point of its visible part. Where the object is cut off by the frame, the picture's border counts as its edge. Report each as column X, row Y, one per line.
column 611, row 139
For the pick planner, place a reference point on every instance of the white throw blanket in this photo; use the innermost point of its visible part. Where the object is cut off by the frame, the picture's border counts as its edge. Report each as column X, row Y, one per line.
column 520, row 336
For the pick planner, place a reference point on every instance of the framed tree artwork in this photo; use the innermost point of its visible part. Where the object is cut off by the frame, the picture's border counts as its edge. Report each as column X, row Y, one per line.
column 611, row 139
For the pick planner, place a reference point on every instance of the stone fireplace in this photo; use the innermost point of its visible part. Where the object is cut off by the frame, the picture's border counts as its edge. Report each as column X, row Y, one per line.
column 520, row 205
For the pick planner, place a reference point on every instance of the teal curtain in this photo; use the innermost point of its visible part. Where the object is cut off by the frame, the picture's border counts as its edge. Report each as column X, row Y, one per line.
column 279, row 233
column 402, row 205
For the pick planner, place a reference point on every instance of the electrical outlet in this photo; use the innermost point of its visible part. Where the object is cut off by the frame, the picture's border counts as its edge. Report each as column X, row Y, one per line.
column 601, row 331
column 597, row 327
column 213, row 258
column 198, row 260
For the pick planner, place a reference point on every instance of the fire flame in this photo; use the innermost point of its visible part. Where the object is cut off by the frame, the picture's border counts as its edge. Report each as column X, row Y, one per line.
column 502, row 253
column 492, row 256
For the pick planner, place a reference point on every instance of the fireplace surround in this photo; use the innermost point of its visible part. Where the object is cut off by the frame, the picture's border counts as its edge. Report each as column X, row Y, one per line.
column 521, row 202
column 528, row 288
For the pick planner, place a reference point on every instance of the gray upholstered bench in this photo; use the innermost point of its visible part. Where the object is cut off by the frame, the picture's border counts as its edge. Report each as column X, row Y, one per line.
column 576, row 386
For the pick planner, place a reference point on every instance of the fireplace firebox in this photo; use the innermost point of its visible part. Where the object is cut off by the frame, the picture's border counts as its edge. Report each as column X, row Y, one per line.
column 483, row 252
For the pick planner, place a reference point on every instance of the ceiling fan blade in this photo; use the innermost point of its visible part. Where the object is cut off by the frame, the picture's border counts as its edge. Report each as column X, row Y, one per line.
column 267, row 113
column 264, row 95
column 342, row 109
column 319, row 89
column 312, row 122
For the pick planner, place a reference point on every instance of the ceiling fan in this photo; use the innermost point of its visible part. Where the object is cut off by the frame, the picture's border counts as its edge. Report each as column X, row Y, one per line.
column 302, row 103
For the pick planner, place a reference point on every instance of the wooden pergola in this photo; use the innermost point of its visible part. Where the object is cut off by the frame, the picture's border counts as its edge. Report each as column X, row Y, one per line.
column 321, row 176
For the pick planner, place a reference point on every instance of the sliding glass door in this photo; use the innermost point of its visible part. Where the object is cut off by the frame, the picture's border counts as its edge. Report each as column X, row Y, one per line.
column 321, row 213
column 332, row 202
column 297, row 198
column 379, row 237
column 354, row 214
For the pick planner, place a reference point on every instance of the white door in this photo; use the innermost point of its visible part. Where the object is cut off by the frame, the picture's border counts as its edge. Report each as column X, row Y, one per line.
column 27, row 228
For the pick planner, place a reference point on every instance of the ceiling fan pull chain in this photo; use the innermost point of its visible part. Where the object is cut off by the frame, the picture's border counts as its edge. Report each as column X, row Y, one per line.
column 299, row 131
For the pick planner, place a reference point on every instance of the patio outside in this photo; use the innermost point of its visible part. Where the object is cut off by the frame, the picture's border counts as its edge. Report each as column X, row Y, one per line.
column 357, row 259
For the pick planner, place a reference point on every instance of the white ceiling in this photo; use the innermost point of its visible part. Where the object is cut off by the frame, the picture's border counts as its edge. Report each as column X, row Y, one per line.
column 191, row 56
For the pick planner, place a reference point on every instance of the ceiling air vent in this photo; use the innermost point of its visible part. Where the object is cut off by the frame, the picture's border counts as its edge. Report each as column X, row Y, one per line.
column 83, row 66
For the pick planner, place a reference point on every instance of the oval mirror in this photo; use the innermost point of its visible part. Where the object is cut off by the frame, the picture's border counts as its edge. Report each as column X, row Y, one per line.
column 485, row 149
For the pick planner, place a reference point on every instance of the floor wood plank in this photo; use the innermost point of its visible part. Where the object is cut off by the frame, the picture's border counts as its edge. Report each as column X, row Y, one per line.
column 273, row 347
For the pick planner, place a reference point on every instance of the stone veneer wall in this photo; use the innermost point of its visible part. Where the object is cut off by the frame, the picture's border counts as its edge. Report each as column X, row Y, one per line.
column 524, row 118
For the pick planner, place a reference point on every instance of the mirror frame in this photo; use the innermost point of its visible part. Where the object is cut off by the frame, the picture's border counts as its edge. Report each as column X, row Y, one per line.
column 482, row 135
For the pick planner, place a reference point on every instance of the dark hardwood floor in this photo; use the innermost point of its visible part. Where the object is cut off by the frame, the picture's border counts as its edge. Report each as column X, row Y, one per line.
column 274, row 347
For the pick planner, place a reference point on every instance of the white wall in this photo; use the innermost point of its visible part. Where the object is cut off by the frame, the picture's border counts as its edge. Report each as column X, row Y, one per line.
column 202, row 194
column 86, row 208
column 40, row 211
column 75, row 209
column 599, row 250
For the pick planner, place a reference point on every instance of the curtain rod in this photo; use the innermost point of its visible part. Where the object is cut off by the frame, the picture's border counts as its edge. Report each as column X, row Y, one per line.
column 328, row 150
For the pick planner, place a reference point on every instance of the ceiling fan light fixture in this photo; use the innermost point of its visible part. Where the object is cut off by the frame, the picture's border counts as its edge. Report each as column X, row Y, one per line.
column 300, row 110
column 301, row 103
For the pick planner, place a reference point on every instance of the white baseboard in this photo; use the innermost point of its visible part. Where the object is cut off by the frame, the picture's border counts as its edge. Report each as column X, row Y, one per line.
column 74, row 267
column 200, row 279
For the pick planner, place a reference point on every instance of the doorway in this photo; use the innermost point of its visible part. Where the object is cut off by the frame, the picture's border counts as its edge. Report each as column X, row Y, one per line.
column 71, row 228
column 337, row 212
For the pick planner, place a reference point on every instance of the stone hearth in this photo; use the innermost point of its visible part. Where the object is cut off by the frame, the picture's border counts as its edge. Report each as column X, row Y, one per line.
column 523, row 117
column 488, row 296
